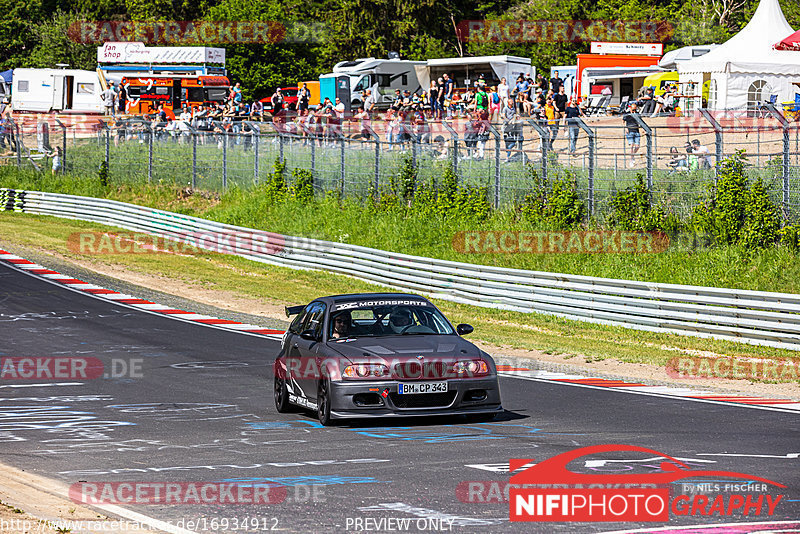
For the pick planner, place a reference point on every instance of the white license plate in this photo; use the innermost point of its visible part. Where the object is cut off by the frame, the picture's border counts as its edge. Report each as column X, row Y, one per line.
column 422, row 387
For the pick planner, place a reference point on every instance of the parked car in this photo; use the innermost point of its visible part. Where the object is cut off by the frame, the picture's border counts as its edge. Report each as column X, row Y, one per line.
column 382, row 355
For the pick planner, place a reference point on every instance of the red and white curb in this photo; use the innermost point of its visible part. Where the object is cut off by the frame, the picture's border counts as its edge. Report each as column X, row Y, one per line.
column 132, row 301
column 518, row 370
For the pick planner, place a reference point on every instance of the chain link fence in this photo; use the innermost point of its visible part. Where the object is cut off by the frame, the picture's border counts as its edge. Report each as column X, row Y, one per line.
column 359, row 160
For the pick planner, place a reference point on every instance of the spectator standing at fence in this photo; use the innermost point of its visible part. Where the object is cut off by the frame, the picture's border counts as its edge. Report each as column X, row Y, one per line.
column 448, row 86
column 122, row 98
column 236, row 93
column 433, row 99
column 521, row 86
column 495, row 103
column 572, row 112
column 556, row 82
column 58, row 160
column 277, row 102
column 550, row 113
column 632, row 135
column 303, row 97
column 364, row 126
column 109, row 97
column 511, row 126
column 503, row 92
column 560, row 101
column 481, row 99
column 369, row 102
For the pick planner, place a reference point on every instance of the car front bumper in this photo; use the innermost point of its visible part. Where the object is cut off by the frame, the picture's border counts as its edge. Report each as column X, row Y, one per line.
column 350, row 399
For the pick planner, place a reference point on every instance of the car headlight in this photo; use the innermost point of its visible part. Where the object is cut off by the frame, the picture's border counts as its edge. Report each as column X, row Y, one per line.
column 365, row 370
column 471, row 367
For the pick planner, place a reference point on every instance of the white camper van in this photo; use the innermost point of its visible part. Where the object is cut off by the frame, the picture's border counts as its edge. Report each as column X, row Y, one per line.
column 63, row 90
column 382, row 76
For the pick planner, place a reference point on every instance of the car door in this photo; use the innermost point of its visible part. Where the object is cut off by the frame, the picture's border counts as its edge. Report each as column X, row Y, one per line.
column 306, row 351
column 292, row 352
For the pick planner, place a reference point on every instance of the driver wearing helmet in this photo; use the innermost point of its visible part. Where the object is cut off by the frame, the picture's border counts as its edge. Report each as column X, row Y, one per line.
column 400, row 320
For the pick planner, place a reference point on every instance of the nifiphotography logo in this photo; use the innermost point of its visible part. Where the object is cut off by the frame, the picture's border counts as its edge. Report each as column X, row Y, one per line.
column 548, row 491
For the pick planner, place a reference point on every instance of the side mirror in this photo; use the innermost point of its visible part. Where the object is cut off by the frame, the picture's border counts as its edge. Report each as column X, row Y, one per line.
column 309, row 334
column 464, row 329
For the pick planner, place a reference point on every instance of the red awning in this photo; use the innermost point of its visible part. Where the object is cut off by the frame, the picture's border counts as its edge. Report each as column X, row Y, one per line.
column 790, row 43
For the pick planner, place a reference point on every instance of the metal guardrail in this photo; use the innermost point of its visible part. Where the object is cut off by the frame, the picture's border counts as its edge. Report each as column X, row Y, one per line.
column 756, row 317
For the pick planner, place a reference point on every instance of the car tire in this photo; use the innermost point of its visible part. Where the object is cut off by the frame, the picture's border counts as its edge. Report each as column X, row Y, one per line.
column 324, row 403
column 281, row 395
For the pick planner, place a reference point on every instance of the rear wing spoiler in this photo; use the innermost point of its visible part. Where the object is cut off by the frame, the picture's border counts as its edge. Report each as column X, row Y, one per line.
column 293, row 310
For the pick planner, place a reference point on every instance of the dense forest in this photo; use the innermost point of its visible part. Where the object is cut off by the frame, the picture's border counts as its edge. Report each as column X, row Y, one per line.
column 318, row 33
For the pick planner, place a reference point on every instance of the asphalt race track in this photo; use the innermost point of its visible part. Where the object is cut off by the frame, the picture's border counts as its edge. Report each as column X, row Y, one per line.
column 198, row 407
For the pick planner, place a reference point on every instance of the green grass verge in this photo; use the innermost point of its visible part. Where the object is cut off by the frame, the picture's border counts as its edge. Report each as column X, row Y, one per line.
column 286, row 286
column 424, row 233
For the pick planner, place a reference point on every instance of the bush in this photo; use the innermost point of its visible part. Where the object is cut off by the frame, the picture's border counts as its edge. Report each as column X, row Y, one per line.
column 736, row 213
column 632, row 210
column 762, row 221
column 303, row 186
column 274, row 188
column 558, row 206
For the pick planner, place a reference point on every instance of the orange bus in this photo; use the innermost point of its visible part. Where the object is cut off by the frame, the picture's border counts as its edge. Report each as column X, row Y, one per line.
column 144, row 95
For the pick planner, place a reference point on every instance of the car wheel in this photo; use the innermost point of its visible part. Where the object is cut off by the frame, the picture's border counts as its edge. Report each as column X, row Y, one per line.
column 281, row 394
column 324, row 403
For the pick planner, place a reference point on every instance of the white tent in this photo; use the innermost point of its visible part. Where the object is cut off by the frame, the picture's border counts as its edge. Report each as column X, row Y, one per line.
column 746, row 70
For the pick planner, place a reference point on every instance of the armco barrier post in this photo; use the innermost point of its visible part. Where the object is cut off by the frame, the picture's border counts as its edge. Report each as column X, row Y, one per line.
column 454, row 155
column 497, row 138
column 544, row 138
column 785, row 164
column 592, row 160
column 717, row 140
column 648, row 134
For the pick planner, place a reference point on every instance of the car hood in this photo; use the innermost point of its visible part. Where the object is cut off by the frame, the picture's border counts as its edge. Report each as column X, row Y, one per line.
column 401, row 348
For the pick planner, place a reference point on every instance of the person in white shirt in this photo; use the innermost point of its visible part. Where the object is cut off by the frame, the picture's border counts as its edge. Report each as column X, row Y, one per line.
column 502, row 92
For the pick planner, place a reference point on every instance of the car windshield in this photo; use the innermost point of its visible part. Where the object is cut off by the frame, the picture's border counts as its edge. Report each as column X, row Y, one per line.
column 351, row 320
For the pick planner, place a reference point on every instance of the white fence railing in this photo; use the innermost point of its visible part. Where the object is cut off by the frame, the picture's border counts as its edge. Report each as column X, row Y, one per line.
column 756, row 317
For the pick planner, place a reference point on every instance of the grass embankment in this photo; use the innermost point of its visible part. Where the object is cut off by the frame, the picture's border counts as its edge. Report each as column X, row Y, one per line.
column 551, row 335
column 415, row 233
column 424, row 233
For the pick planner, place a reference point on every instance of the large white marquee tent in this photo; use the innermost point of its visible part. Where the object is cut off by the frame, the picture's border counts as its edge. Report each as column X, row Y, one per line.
column 747, row 70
